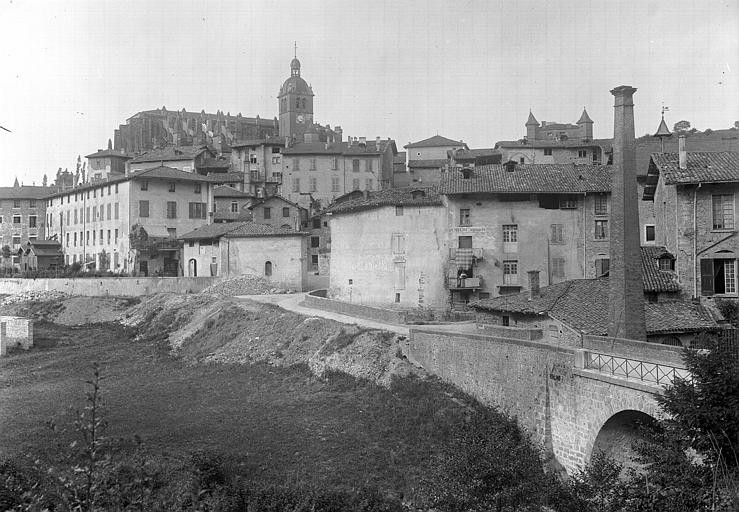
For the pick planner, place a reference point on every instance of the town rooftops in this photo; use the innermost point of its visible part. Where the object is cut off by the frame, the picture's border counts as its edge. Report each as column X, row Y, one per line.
column 238, row 230
column 605, row 144
column 701, row 167
column 408, row 196
column 203, row 115
column 171, row 153
column 269, row 141
column 113, row 153
column 339, row 148
column 471, row 154
column 583, row 305
column 435, row 141
column 26, row 192
column 225, row 191
column 227, row 177
column 528, row 178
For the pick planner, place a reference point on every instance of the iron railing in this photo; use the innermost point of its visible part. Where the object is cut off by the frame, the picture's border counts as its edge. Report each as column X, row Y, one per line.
column 635, row 369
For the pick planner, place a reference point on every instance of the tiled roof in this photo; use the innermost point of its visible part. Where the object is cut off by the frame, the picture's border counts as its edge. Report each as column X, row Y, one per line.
column 274, row 198
column 170, row 153
column 102, row 153
column 230, row 216
column 227, row 177
column 702, row 167
column 656, row 280
column 435, row 141
column 27, row 192
column 583, row 305
column 252, row 229
column 409, row 196
column 216, row 163
column 224, row 191
column 584, row 118
column 558, row 126
column 471, row 154
column 271, row 141
column 715, row 141
column 169, row 173
column 427, row 164
column 337, row 148
column 529, row 178
column 210, row 231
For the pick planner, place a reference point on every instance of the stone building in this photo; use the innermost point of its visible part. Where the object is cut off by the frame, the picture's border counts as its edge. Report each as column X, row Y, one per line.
column 277, row 254
column 231, row 205
column 315, row 173
column 130, row 223
column 158, row 128
column 106, row 163
column 427, row 158
column 184, row 158
column 261, row 162
column 388, row 248
column 277, row 211
column 694, row 195
column 22, row 219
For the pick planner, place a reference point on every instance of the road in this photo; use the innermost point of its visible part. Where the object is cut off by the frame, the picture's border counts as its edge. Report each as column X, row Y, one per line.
column 293, row 302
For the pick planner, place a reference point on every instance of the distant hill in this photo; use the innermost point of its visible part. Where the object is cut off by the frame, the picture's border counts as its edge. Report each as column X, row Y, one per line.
column 715, row 140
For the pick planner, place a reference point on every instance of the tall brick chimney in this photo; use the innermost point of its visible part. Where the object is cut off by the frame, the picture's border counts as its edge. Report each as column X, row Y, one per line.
column 533, row 284
column 682, row 154
column 626, row 297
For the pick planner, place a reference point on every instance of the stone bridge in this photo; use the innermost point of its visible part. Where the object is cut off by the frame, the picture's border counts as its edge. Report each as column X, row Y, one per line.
column 574, row 401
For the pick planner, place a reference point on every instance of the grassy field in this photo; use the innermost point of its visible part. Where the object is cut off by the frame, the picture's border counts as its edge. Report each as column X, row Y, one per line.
column 279, row 425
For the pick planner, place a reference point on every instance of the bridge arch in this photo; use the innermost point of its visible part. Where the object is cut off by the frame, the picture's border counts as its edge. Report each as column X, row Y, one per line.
column 615, row 432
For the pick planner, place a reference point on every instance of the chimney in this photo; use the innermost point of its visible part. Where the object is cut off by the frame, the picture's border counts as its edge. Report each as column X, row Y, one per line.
column 362, row 141
column 682, row 154
column 338, row 133
column 510, row 165
column 533, row 284
column 626, row 287
column 377, row 143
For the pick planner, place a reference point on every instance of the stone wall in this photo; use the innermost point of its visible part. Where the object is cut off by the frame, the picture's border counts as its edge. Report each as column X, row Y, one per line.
column 15, row 331
column 317, row 300
column 115, row 286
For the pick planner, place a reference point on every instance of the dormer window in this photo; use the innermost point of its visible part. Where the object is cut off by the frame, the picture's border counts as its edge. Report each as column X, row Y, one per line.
column 466, row 173
column 666, row 262
column 418, row 194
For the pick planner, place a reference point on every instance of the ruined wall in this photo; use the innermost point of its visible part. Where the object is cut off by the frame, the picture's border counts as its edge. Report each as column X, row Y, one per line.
column 15, row 331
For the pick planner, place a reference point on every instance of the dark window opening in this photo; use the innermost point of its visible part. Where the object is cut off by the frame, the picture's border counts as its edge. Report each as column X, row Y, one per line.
column 506, row 320
column 548, row 201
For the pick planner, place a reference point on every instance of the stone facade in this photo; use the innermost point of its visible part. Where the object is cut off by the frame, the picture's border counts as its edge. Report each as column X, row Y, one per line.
column 22, row 218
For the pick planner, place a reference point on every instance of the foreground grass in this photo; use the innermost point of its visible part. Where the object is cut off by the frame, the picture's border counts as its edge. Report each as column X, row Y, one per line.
column 274, row 424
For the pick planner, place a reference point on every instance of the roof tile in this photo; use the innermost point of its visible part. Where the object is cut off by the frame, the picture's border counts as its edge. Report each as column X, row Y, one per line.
column 409, row 196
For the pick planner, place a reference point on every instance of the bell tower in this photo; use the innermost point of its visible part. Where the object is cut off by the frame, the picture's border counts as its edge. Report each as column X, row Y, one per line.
column 295, row 103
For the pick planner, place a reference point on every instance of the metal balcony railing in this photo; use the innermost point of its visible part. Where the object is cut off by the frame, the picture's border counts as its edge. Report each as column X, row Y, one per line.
column 635, row 369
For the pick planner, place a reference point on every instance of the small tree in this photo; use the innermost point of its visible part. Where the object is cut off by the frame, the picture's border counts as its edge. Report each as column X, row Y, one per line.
column 681, row 126
column 104, row 260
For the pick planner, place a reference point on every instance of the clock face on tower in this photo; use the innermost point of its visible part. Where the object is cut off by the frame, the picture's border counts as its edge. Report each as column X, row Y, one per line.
column 301, row 118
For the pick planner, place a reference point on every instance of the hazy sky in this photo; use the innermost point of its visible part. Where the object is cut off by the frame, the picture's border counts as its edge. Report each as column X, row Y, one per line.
column 72, row 71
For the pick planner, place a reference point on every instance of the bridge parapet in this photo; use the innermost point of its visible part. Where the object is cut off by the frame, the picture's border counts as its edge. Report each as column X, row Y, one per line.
column 633, row 349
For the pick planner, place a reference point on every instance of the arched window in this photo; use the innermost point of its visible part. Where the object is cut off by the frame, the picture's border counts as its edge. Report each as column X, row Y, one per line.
column 303, row 102
column 297, row 102
column 268, row 268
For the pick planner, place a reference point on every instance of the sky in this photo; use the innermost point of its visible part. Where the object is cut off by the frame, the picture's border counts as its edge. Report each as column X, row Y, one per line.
column 72, row 71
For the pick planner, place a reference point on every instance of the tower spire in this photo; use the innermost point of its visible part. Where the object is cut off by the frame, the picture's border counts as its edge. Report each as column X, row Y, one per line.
column 296, row 49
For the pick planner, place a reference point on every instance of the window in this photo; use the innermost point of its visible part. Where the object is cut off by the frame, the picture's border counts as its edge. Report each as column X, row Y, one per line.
column 397, row 297
column 143, row 208
column 275, row 149
column 334, row 184
column 464, row 242
column 197, row 188
column 108, row 189
column 312, row 164
column 108, row 237
column 275, row 159
column 397, row 243
column 723, row 211
column 510, row 238
column 234, row 207
column 649, row 233
column 95, row 193
column 317, row 223
column 313, row 183
column 144, row 184
column 32, row 203
column 171, row 186
column 115, row 211
column 116, row 191
column 398, row 211
column 74, row 238
column 558, row 267
column 31, row 221
column 296, row 164
column 196, row 210
column 567, row 202
column 666, row 263
column 505, row 320
column 335, row 163
column 266, row 212
column 399, row 275
column 93, row 236
column 510, row 272
column 267, row 268
column 601, row 204
column 315, row 241
column 602, row 265
column 116, row 236
column 87, row 238
column 718, row 276
column 252, row 158
column 296, row 184
column 101, row 237
column 522, row 160
column 370, row 165
column 369, row 183
column 355, row 165
column 16, row 203
column 286, row 211
column 601, row 229
column 94, row 212
column 355, row 184
column 110, row 210
column 171, row 209
column 464, row 217
column 314, row 261
column 16, row 219
column 75, row 215
column 557, row 234
column 582, row 153
column 547, row 151
column 16, row 241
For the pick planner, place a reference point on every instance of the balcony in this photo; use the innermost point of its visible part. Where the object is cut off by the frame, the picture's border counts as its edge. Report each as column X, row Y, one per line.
column 476, row 253
column 468, row 283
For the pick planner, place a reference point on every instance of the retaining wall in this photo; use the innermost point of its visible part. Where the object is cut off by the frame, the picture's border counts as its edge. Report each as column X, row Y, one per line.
column 317, row 299
column 103, row 286
column 15, row 331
